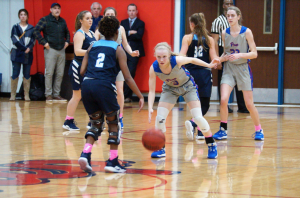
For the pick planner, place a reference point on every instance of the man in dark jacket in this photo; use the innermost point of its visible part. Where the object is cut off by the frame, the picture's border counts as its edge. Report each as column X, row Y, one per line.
column 134, row 29
column 56, row 39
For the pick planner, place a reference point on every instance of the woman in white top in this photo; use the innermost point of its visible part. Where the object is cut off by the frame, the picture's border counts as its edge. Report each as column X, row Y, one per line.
column 110, row 11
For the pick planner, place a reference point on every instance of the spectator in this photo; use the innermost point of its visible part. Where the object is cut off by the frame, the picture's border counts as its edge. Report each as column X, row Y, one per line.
column 134, row 29
column 56, row 39
column 96, row 9
column 21, row 53
column 218, row 25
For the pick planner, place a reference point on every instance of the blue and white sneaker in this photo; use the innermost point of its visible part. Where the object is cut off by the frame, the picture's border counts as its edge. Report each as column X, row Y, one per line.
column 70, row 125
column 113, row 166
column 258, row 135
column 159, row 154
column 221, row 134
column 121, row 121
column 85, row 162
column 189, row 130
column 200, row 136
column 212, row 151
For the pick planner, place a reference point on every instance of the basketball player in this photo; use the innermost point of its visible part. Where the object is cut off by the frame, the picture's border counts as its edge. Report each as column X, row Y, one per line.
column 199, row 45
column 237, row 71
column 110, row 11
column 101, row 65
column 177, row 82
column 83, row 38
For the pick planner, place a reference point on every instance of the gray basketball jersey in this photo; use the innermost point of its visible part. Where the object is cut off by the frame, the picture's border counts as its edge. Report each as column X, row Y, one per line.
column 236, row 44
column 119, row 39
column 176, row 78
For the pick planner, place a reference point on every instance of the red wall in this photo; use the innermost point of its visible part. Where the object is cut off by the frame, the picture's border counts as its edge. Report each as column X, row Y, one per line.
column 158, row 16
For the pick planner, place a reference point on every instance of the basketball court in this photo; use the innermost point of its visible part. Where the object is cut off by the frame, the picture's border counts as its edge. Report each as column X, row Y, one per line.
column 38, row 157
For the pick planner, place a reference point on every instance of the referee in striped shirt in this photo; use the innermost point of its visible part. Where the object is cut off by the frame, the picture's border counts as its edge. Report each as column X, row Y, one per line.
column 218, row 25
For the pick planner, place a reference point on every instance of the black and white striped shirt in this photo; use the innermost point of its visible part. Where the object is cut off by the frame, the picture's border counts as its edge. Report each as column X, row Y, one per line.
column 218, row 25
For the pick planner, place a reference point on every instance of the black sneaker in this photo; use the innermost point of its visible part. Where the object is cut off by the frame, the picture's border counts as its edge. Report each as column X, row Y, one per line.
column 70, row 125
column 85, row 162
column 113, row 166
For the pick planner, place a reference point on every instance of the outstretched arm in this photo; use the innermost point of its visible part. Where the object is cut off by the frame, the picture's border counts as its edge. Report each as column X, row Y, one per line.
column 121, row 56
column 185, row 60
column 151, row 95
column 126, row 45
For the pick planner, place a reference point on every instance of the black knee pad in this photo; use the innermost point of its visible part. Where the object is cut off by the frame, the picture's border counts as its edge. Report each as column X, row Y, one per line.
column 111, row 140
column 96, row 126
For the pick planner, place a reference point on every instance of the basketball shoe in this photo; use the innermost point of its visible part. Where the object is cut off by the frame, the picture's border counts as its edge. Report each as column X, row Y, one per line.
column 221, row 134
column 212, row 151
column 200, row 136
column 85, row 162
column 114, row 166
column 159, row 153
column 258, row 135
column 70, row 125
column 190, row 130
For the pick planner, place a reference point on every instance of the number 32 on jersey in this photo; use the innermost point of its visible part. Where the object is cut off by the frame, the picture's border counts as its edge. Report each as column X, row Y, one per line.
column 198, row 51
column 100, row 60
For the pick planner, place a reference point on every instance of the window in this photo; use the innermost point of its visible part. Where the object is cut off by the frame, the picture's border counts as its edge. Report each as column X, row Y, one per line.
column 268, row 16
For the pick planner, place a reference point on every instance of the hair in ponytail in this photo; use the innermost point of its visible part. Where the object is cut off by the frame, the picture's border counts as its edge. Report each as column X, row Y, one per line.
column 200, row 28
column 164, row 45
column 79, row 17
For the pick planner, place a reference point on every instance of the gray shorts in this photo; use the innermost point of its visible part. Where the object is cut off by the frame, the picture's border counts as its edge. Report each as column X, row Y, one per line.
column 239, row 75
column 120, row 77
column 188, row 91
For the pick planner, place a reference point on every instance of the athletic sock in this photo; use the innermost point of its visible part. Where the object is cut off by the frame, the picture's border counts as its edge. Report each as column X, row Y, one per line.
column 87, row 148
column 258, row 128
column 224, row 125
column 121, row 115
column 113, row 154
column 69, row 117
column 209, row 140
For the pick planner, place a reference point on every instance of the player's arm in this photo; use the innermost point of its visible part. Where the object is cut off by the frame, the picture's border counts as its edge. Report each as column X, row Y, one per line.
column 212, row 51
column 151, row 95
column 186, row 41
column 126, row 45
column 181, row 60
column 121, row 56
column 215, row 37
column 78, row 41
column 250, row 55
column 85, row 61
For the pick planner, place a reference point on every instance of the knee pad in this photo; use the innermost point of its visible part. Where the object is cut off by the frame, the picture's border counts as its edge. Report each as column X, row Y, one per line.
column 200, row 120
column 161, row 117
column 96, row 126
column 113, row 140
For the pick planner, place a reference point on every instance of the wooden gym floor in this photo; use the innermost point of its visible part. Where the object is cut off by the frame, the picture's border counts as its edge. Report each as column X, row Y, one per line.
column 38, row 158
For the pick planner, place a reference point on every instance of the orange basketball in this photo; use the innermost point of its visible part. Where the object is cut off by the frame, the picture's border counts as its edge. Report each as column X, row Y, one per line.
column 153, row 139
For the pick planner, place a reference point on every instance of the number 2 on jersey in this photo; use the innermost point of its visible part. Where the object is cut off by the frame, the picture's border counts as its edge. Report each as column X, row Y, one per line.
column 234, row 51
column 198, row 51
column 99, row 62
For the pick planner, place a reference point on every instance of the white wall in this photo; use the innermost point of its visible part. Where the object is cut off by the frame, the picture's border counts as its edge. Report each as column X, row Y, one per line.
column 9, row 16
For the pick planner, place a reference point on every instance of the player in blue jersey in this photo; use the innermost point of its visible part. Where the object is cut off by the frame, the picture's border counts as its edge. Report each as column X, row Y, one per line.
column 177, row 82
column 83, row 38
column 199, row 45
column 100, row 67
column 237, row 41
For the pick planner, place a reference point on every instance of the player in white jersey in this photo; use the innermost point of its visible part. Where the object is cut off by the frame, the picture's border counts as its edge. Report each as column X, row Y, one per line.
column 110, row 11
column 237, row 41
column 177, row 82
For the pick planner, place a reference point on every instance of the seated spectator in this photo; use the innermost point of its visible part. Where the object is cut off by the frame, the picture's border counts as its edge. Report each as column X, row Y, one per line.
column 21, row 54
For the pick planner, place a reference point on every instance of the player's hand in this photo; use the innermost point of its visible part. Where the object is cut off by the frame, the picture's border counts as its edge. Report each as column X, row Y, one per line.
column 225, row 58
column 233, row 57
column 215, row 61
column 66, row 45
column 135, row 53
column 150, row 115
column 141, row 104
column 47, row 46
column 219, row 66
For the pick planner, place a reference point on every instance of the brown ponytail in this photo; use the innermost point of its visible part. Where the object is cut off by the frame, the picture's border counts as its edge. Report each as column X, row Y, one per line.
column 79, row 17
column 200, row 28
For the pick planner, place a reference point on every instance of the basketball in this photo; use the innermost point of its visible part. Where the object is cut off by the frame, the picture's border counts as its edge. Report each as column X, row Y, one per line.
column 153, row 139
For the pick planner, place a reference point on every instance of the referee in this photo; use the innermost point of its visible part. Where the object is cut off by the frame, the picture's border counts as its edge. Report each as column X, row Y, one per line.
column 218, row 25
